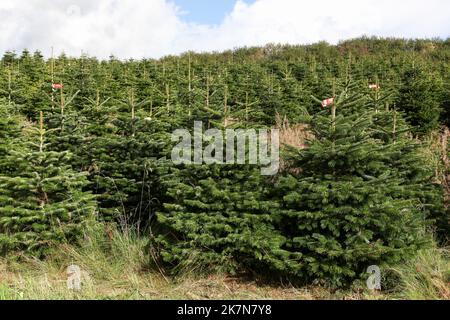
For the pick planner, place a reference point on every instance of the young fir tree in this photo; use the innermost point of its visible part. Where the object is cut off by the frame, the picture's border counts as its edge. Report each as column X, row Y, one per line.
column 43, row 201
column 420, row 97
column 446, row 219
column 127, row 150
column 9, row 131
column 410, row 161
column 217, row 217
column 67, row 128
column 349, row 204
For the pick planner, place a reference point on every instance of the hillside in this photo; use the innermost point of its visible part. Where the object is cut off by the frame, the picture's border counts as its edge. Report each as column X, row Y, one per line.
column 86, row 153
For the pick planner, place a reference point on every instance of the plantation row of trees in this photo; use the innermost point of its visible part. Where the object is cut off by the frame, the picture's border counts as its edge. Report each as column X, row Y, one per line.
column 84, row 140
column 254, row 83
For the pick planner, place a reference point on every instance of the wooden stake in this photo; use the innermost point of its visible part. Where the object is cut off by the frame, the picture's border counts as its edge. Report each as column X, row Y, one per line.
column 207, row 90
column 333, row 115
column 132, row 105
column 347, row 71
column 62, row 99
column 189, row 84
column 333, row 106
column 151, row 108
column 246, row 106
column 62, row 107
column 9, row 87
column 189, row 74
column 168, row 97
column 132, row 113
column 333, row 118
column 271, row 82
column 225, row 100
column 225, row 107
column 394, row 129
column 52, row 71
column 41, row 131
column 97, row 101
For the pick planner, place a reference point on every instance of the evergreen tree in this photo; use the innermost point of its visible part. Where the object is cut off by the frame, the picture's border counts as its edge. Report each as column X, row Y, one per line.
column 127, row 155
column 113, row 120
column 420, row 97
column 348, row 205
column 217, row 218
column 9, row 131
column 43, row 201
column 411, row 162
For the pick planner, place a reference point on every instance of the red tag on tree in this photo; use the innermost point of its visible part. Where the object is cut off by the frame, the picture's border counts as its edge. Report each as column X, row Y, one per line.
column 327, row 102
column 57, row 86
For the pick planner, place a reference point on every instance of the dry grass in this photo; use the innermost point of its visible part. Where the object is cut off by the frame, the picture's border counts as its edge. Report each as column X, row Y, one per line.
column 117, row 267
column 427, row 277
column 444, row 138
column 46, row 280
column 292, row 135
column 436, row 152
column 295, row 135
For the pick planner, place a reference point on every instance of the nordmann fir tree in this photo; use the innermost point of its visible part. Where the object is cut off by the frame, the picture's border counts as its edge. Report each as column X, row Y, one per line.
column 217, row 218
column 68, row 127
column 43, row 201
column 341, row 207
column 127, row 153
column 9, row 131
column 409, row 160
column 420, row 97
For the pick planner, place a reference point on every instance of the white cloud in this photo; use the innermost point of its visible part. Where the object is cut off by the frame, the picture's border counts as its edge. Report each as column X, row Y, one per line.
column 152, row 28
column 126, row 28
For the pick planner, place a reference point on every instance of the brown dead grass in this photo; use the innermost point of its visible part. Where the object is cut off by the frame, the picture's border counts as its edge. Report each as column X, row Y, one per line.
column 445, row 136
column 41, row 281
column 294, row 135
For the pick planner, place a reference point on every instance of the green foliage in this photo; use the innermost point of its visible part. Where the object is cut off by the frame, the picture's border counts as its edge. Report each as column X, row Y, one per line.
column 9, row 131
column 127, row 168
column 359, row 194
column 217, row 218
column 420, row 97
column 42, row 200
column 355, row 202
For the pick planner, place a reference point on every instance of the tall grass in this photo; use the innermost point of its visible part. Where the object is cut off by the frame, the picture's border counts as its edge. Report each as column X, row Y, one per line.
column 113, row 264
column 119, row 265
column 427, row 277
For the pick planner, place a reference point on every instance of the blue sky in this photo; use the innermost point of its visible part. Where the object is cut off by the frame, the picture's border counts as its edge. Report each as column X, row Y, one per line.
column 210, row 12
column 154, row 28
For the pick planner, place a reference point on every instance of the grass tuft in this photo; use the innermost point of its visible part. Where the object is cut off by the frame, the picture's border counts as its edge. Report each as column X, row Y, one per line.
column 117, row 265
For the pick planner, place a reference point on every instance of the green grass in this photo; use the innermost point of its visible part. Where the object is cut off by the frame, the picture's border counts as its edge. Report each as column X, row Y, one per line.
column 427, row 277
column 118, row 267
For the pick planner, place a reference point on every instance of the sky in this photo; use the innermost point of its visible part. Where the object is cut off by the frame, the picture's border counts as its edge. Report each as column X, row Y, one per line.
column 154, row 28
column 211, row 12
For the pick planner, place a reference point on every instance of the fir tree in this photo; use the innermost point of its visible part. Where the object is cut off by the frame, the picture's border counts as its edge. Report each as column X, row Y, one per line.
column 217, row 218
column 348, row 205
column 9, row 131
column 420, row 97
column 127, row 155
column 43, row 201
